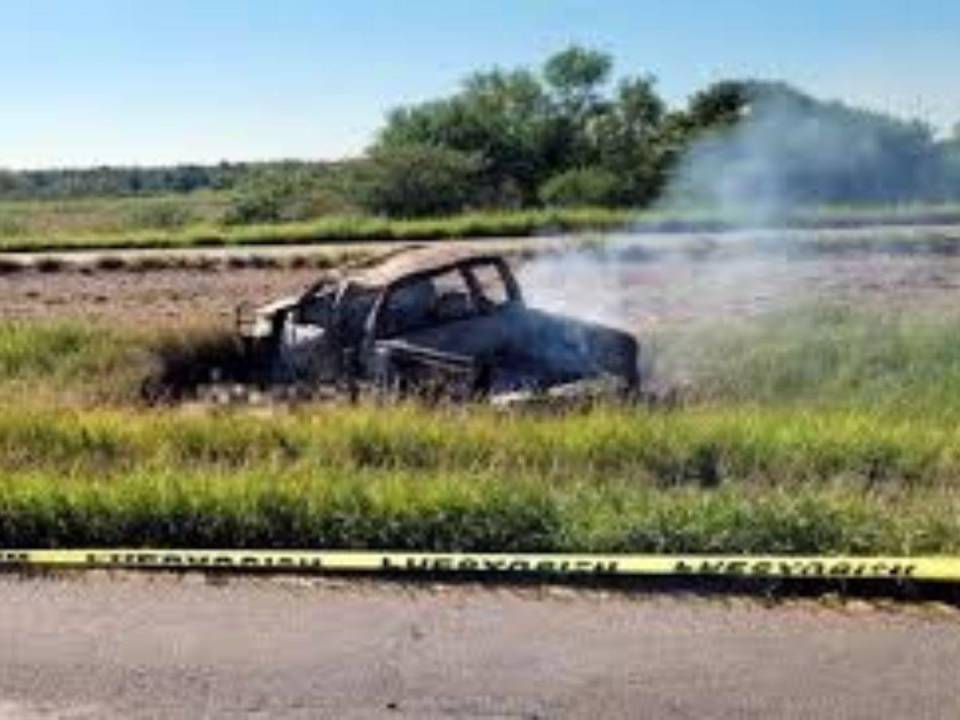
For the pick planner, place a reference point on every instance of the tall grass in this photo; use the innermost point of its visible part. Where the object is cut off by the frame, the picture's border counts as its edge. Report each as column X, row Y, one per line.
column 329, row 229
column 826, row 355
column 697, row 447
column 91, row 216
column 819, row 430
column 67, row 362
column 459, row 510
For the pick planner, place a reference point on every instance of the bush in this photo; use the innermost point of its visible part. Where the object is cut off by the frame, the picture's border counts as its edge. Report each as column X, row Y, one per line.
column 418, row 179
column 10, row 226
column 165, row 215
column 285, row 196
column 581, row 188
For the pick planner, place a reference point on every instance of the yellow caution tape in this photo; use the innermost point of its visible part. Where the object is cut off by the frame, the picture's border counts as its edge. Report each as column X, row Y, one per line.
column 941, row 569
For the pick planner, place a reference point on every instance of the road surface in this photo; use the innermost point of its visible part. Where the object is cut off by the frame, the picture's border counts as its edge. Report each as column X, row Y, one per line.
column 168, row 647
column 81, row 258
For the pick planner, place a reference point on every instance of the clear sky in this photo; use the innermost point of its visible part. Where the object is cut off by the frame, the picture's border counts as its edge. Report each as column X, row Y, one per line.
column 161, row 81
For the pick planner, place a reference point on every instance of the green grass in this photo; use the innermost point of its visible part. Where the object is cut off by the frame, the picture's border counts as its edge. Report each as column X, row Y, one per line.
column 192, row 221
column 812, row 357
column 74, row 364
column 819, row 430
column 610, row 480
column 107, row 216
column 460, row 510
column 825, row 356
column 331, row 229
column 701, row 447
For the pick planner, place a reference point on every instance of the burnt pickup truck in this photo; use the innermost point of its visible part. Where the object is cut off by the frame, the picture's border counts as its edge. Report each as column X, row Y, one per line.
column 431, row 322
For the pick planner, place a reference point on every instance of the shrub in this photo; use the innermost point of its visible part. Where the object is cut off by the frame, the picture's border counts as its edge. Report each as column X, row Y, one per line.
column 284, row 196
column 581, row 187
column 163, row 215
column 418, row 179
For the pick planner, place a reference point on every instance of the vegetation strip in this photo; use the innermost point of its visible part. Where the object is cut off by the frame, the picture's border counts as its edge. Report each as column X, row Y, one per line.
column 939, row 569
column 814, row 432
column 341, row 229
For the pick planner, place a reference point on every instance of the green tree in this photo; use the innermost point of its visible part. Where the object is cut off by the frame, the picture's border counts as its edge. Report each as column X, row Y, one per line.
column 628, row 140
column 525, row 127
column 950, row 166
column 722, row 104
column 576, row 75
column 582, row 187
column 8, row 182
column 418, row 179
column 501, row 117
column 286, row 192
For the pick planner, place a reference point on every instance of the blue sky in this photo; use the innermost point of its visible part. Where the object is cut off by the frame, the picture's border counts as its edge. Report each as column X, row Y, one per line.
column 161, row 81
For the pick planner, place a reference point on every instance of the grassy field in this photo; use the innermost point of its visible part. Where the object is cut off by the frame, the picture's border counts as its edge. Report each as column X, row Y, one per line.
column 104, row 216
column 328, row 229
column 194, row 221
column 819, row 430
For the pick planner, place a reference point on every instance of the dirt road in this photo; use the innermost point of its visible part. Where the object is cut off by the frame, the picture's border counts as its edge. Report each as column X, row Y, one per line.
column 940, row 232
column 182, row 648
column 639, row 282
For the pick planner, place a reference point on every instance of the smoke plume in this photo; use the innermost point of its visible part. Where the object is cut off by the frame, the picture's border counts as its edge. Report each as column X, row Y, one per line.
column 787, row 152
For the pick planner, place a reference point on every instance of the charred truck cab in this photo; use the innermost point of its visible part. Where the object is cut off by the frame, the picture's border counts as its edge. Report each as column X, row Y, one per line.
column 432, row 322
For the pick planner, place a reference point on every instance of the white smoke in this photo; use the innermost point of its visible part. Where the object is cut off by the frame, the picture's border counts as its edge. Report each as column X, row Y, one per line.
column 639, row 285
column 785, row 151
column 666, row 297
column 789, row 151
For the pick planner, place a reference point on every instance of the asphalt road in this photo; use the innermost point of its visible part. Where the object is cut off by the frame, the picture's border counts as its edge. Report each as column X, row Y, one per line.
column 183, row 648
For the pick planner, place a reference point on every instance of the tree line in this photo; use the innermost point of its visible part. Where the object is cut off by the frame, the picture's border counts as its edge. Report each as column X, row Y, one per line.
column 118, row 181
column 570, row 134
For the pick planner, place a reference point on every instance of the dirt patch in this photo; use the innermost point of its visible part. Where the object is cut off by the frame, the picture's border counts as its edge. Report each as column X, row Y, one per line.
column 638, row 289
column 160, row 298
column 645, row 292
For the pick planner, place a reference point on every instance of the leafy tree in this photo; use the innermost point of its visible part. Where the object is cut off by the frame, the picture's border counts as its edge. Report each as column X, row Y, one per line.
column 720, row 105
column 949, row 153
column 771, row 144
column 581, row 187
column 418, row 179
column 575, row 75
column 119, row 181
column 8, row 182
column 501, row 117
column 628, row 140
column 526, row 128
column 286, row 192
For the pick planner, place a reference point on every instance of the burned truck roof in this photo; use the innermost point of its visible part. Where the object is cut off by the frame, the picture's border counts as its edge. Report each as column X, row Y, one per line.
column 416, row 261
